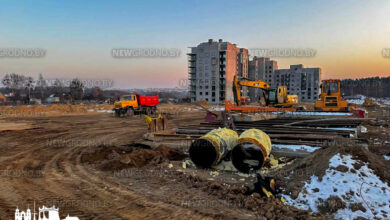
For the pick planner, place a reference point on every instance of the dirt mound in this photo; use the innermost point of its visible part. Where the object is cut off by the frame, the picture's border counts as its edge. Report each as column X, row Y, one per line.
column 114, row 158
column 54, row 109
column 270, row 208
column 292, row 177
column 345, row 179
column 205, row 104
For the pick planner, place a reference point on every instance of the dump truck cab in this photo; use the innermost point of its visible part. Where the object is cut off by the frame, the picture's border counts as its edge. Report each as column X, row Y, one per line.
column 127, row 101
column 330, row 97
column 136, row 104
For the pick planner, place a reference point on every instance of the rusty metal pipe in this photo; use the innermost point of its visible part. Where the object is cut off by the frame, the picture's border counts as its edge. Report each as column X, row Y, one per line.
column 252, row 149
column 211, row 148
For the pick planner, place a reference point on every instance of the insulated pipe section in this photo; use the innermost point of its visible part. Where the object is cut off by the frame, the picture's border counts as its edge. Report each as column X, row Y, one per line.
column 253, row 147
column 209, row 149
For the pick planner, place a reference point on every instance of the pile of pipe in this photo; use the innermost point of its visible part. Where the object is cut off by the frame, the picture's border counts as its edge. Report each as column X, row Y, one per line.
column 247, row 151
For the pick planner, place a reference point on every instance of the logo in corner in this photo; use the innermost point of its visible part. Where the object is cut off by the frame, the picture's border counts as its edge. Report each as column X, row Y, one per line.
column 45, row 213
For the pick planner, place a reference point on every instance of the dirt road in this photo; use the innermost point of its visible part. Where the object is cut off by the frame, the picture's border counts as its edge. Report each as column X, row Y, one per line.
column 43, row 164
column 49, row 162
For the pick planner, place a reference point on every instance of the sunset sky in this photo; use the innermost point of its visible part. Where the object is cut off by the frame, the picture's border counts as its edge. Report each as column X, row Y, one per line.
column 79, row 35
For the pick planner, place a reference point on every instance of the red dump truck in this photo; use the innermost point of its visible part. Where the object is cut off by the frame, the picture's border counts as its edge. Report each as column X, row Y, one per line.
column 136, row 104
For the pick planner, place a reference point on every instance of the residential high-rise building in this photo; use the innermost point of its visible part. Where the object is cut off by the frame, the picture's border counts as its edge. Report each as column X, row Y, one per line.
column 260, row 68
column 305, row 82
column 212, row 66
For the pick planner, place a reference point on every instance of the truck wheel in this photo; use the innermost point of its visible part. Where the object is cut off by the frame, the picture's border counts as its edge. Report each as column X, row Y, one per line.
column 123, row 112
column 117, row 113
column 130, row 112
column 148, row 111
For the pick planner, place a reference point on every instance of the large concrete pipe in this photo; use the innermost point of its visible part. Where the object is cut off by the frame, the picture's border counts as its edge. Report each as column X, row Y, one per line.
column 253, row 147
column 209, row 149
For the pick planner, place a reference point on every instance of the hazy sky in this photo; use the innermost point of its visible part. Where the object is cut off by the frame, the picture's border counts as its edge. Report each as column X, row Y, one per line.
column 79, row 35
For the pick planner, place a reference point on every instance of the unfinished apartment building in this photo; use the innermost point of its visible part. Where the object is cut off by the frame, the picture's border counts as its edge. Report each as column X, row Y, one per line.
column 304, row 82
column 260, row 68
column 212, row 66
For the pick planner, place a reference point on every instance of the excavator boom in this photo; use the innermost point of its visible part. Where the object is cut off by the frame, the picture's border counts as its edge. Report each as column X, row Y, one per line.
column 272, row 96
column 237, row 84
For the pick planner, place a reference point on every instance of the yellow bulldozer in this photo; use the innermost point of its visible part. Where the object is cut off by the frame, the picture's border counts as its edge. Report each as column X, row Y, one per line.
column 330, row 97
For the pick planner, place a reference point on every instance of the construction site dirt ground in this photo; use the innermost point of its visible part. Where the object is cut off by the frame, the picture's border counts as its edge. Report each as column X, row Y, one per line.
column 51, row 160
column 77, row 163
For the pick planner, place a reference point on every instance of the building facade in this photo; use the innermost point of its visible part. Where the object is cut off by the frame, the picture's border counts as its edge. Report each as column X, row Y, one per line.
column 305, row 82
column 260, row 68
column 212, row 66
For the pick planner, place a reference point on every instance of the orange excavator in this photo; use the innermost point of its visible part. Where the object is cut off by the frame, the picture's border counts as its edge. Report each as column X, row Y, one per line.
column 275, row 99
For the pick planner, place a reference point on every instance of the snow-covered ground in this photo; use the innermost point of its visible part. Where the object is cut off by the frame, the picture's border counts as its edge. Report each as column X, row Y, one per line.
column 296, row 147
column 360, row 100
column 361, row 186
column 320, row 113
column 386, row 157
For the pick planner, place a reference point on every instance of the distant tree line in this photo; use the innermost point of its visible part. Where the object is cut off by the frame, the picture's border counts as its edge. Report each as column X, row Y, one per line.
column 23, row 88
column 373, row 87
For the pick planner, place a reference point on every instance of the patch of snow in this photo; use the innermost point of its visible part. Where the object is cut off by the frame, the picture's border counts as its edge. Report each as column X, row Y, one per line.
column 217, row 108
column 296, row 147
column 91, row 110
column 356, row 101
column 108, row 111
column 320, row 113
column 374, row 197
column 363, row 129
column 341, row 129
column 386, row 157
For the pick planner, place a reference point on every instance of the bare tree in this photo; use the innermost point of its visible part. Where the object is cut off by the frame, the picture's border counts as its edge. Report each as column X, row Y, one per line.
column 41, row 85
column 97, row 93
column 76, row 89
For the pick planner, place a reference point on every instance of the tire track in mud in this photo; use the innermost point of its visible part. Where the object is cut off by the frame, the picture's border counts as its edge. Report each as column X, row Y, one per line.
column 65, row 179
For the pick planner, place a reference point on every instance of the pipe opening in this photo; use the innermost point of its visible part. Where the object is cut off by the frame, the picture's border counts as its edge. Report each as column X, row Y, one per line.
column 203, row 153
column 247, row 157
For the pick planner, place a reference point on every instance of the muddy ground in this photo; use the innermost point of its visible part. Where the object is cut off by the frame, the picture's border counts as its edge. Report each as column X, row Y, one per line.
column 72, row 162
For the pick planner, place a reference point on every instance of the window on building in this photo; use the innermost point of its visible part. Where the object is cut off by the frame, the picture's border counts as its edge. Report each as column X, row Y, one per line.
column 207, row 93
column 200, row 93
